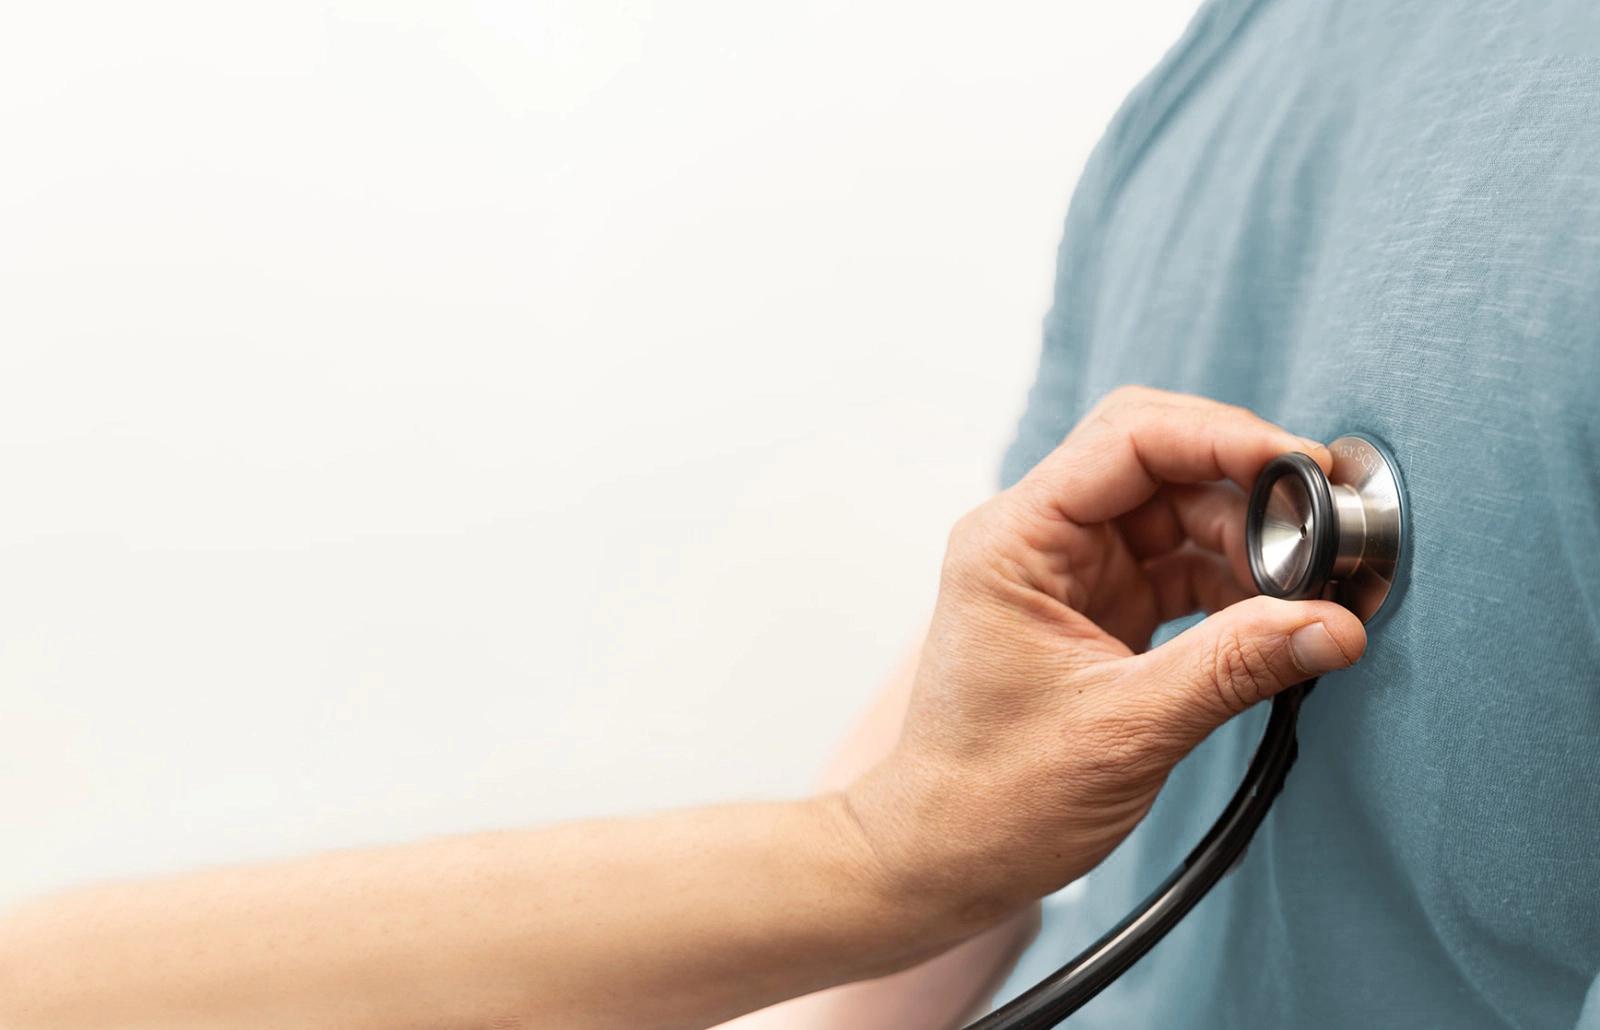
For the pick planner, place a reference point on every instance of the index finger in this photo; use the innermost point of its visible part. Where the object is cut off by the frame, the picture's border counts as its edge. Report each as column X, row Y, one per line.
column 1138, row 438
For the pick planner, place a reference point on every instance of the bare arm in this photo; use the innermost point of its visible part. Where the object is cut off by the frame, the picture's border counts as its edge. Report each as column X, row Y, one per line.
column 947, row 989
column 1039, row 730
column 677, row 920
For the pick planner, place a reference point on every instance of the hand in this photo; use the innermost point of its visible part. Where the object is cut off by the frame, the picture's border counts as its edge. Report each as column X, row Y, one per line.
column 1041, row 726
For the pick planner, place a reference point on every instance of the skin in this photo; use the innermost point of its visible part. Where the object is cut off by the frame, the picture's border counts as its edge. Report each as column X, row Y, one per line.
column 1039, row 728
column 946, row 991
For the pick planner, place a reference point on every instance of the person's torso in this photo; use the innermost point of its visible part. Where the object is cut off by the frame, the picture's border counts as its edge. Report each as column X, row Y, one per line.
column 1377, row 217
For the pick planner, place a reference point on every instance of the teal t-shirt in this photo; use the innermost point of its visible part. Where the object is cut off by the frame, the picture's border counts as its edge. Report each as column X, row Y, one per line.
column 1382, row 217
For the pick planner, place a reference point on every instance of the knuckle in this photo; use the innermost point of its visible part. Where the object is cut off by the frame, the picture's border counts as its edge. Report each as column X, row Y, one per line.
column 1099, row 422
column 1115, row 416
column 962, row 528
column 966, row 538
column 1123, row 398
column 958, row 542
column 1135, row 393
column 1239, row 411
column 1228, row 410
column 1242, row 669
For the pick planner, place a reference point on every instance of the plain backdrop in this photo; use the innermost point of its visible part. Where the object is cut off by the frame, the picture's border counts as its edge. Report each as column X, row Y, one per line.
column 425, row 417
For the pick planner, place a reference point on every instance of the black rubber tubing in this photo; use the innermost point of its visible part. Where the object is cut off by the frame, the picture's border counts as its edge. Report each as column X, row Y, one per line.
column 1063, row 992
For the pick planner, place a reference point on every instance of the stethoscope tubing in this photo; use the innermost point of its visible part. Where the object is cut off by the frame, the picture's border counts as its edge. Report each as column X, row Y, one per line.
column 1219, row 851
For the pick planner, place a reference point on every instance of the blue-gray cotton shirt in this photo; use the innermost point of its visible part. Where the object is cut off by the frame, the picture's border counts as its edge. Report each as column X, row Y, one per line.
column 1382, row 217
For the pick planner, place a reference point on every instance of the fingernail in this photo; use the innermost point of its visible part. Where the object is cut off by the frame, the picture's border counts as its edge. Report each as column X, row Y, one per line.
column 1313, row 446
column 1314, row 650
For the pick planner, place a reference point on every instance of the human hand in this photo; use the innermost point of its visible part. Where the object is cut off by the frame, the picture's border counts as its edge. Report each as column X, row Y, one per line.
column 1040, row 727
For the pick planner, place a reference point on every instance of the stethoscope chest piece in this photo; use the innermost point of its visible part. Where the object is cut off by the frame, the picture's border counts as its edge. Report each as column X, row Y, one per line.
column 1336, row 536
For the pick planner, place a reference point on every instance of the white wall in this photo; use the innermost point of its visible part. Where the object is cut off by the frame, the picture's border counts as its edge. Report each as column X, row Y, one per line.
column 419, row 417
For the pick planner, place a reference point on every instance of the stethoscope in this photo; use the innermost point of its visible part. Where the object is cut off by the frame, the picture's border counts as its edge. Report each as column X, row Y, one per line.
column 1336, row 536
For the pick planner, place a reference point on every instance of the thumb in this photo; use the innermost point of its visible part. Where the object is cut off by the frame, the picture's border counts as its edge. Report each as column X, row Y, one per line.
column 1245, row 653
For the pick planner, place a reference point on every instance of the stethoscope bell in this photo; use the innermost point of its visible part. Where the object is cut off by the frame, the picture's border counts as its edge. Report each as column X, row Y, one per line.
column 1335, row 536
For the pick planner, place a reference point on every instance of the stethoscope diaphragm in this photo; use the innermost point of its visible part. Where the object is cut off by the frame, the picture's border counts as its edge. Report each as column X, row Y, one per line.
column 1337, row 535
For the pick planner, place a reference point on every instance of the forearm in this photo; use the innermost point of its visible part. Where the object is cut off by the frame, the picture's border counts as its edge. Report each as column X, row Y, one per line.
column 942, row 991
column 946, row 991
column 676, row 920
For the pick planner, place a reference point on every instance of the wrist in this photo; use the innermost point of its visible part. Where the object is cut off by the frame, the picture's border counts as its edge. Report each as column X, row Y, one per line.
column 912, row 857
column 895, row 922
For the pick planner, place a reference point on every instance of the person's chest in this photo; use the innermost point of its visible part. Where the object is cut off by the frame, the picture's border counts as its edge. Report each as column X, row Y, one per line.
column 1414, row 254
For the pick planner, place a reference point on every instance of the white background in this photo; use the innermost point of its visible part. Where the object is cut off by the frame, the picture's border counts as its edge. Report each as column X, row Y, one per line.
column 423, row 417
